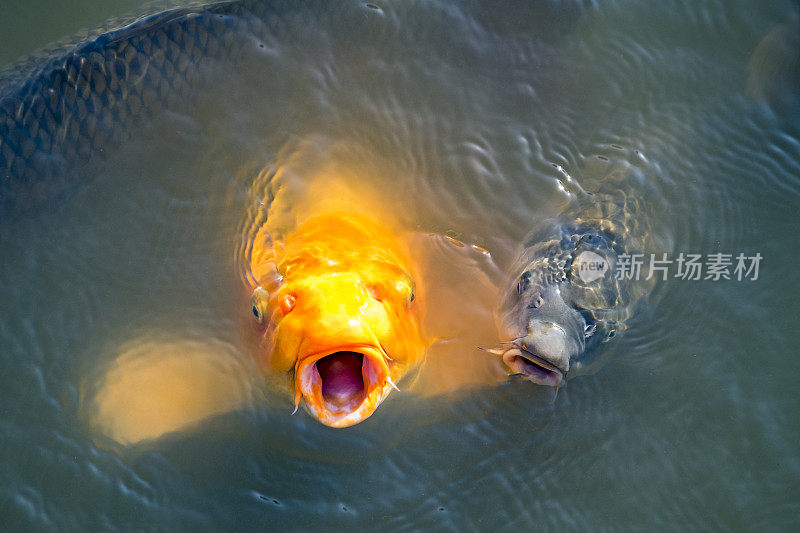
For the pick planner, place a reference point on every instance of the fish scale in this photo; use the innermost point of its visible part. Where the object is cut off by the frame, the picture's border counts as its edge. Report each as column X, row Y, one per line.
column 62, row 111
column 59, row 114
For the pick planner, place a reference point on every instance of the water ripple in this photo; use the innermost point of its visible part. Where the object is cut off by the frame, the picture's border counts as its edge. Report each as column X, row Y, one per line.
column 470, row 117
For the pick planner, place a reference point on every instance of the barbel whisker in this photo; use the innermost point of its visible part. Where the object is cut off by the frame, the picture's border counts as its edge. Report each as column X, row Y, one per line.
column 388, row 379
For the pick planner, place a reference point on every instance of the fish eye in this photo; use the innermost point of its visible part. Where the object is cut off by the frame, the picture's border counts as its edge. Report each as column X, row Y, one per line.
column 412, row 291
column 258, row 304
column 403, row 290
column 523, row 282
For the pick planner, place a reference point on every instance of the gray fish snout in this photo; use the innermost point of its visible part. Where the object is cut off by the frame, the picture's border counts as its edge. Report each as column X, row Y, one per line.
column 543, row 355
column 548, row 341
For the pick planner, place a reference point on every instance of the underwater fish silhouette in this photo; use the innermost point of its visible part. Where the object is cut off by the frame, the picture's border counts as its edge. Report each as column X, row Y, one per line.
column 64, row 109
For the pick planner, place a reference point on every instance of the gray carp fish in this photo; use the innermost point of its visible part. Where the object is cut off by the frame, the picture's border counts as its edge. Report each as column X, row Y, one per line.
column 572, row 291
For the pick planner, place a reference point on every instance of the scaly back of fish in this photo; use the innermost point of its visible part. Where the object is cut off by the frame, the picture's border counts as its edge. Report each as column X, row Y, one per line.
column 59, row 113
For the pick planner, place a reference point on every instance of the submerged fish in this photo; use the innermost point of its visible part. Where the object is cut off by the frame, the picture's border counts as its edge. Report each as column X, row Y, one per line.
column 566, row 299
column 774, row 66
column 337, row 300
column 158, row 385
column 62, row 111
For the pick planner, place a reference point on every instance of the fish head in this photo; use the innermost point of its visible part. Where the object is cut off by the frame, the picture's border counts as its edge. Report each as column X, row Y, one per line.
column 561, row 308
column 345, row 337
column 548, row 334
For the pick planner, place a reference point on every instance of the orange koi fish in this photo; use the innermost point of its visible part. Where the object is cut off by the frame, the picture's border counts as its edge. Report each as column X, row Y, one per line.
column 337, row 299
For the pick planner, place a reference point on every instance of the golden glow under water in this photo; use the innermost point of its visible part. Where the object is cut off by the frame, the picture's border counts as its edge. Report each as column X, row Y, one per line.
column 154, row 388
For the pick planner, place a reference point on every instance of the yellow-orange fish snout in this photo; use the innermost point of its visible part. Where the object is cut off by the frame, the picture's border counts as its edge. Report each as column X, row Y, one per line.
column 350, row 341
column 342, row 318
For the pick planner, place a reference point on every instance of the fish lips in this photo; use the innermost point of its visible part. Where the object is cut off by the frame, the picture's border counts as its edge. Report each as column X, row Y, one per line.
column 344, row 385
column 533, row 368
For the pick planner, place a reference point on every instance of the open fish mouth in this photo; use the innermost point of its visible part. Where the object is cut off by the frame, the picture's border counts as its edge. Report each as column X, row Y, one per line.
column 533, row 367
column 342, row 386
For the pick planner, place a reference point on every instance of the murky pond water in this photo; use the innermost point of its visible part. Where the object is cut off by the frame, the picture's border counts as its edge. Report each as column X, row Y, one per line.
column 465, row 118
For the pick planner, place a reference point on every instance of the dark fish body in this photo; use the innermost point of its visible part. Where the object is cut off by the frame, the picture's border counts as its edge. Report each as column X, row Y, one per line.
column 774, row 67
column 66, row 110
column 62, row 111
column 567, row 297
